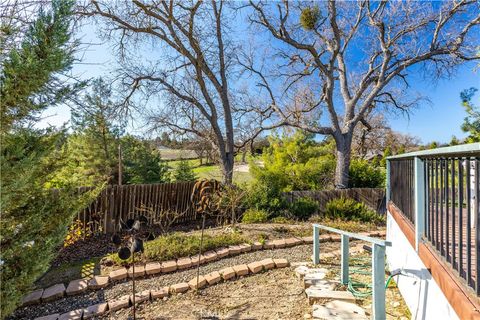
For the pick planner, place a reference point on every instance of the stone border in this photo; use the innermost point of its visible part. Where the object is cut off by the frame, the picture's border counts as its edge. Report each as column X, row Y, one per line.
column 98, row 282
column 212, row 278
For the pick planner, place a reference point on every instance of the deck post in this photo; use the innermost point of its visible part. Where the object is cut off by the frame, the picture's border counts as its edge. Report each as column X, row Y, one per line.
column 345, row 256
column 419, row 201
column 316, row 244
column 387, row 184
column 378, row 282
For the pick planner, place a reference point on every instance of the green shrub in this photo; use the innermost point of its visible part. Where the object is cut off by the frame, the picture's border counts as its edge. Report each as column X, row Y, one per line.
column 283, row 220
column 255, row 216
column 177, row 245
column 349, row 209
column 364, row 174
column 184, row 171
column 303, row 208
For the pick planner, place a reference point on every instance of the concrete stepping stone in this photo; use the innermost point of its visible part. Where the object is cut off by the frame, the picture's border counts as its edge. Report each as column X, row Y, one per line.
column 301, row 271
column 119, row 274
column 279, row 244
column 315, row 295
column 235, row 249
column 95, row 310
column 210, row 256
column 292, row 242
column 151, row 268
column 54, row 292
column 320, row 284
column 33, row 297
column 268, row 245
column 72, row 315
column 76, row 287
column 195, row 259
column 245, row 247
column 314, row 276
column 340, row 310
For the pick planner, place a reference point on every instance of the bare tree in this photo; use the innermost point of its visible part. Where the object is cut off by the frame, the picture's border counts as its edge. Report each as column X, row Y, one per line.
column 359, row 55
column 194, row 68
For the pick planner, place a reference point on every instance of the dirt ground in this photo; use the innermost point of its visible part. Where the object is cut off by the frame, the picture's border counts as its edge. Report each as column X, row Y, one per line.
column 276, row 294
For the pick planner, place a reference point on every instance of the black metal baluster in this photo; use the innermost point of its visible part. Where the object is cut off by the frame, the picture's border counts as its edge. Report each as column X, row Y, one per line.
column 436, row 204
column 453, row 216
column 447, row 225
column 442, row 198
column 469, row 224
column 460, row 217
column 477, row 229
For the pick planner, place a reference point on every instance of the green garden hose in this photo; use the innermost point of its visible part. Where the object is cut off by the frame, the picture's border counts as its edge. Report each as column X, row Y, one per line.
column 357, row 288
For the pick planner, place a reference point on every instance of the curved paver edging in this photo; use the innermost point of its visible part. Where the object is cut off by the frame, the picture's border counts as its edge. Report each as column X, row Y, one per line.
column 210, row 279
column 99, row 282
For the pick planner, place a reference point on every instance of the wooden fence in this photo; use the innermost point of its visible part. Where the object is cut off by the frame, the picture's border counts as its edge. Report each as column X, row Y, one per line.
column 372, row 197
column 124, row 202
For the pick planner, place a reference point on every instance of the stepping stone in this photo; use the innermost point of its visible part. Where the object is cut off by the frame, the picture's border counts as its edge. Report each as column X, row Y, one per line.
column 213, row 277
column 255, row 267
column 315, row 295
column 184, row 263
column 139, row 271
column 140, row 296
column 72, row 315
column 337, row 309
column 179, row 287
column 98, row 282
column 210, row 256
column 54, row 292
column 281, row 263
column 222, row 253
column 119, row 274
column 320, row 284
column 120, row 303
column 201, row 283
column 301, row 271
column 235, row 249
column 76, row 287
column 245, row 247
column 257, row 246
column 33, row 297
column 227, row 273
column 49, row 317
column 314, row 276
column 152, row 268
column 95, row 310
column 162, row 293
column 268, row 263
column 169, row 266
column 241, row 270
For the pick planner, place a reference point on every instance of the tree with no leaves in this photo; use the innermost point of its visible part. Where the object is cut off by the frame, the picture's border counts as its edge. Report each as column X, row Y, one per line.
column 193, row 69
column 360, row 54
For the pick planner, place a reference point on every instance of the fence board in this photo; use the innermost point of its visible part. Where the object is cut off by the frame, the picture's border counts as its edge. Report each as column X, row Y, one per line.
column 124, row 202
column 372, row 197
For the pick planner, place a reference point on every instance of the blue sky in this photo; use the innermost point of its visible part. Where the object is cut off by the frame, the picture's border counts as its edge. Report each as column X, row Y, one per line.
column 437, row 120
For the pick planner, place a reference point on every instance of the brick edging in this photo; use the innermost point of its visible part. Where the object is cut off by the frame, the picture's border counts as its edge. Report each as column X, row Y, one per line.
column 98, row 282
column 441, row 274
column 210, row 279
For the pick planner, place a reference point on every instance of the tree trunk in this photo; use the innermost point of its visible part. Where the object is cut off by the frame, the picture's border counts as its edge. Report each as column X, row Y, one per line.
column 244, row 154
column 344, row 149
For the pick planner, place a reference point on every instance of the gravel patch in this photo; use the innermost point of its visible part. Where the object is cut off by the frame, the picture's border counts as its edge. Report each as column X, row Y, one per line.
column 298, row 253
